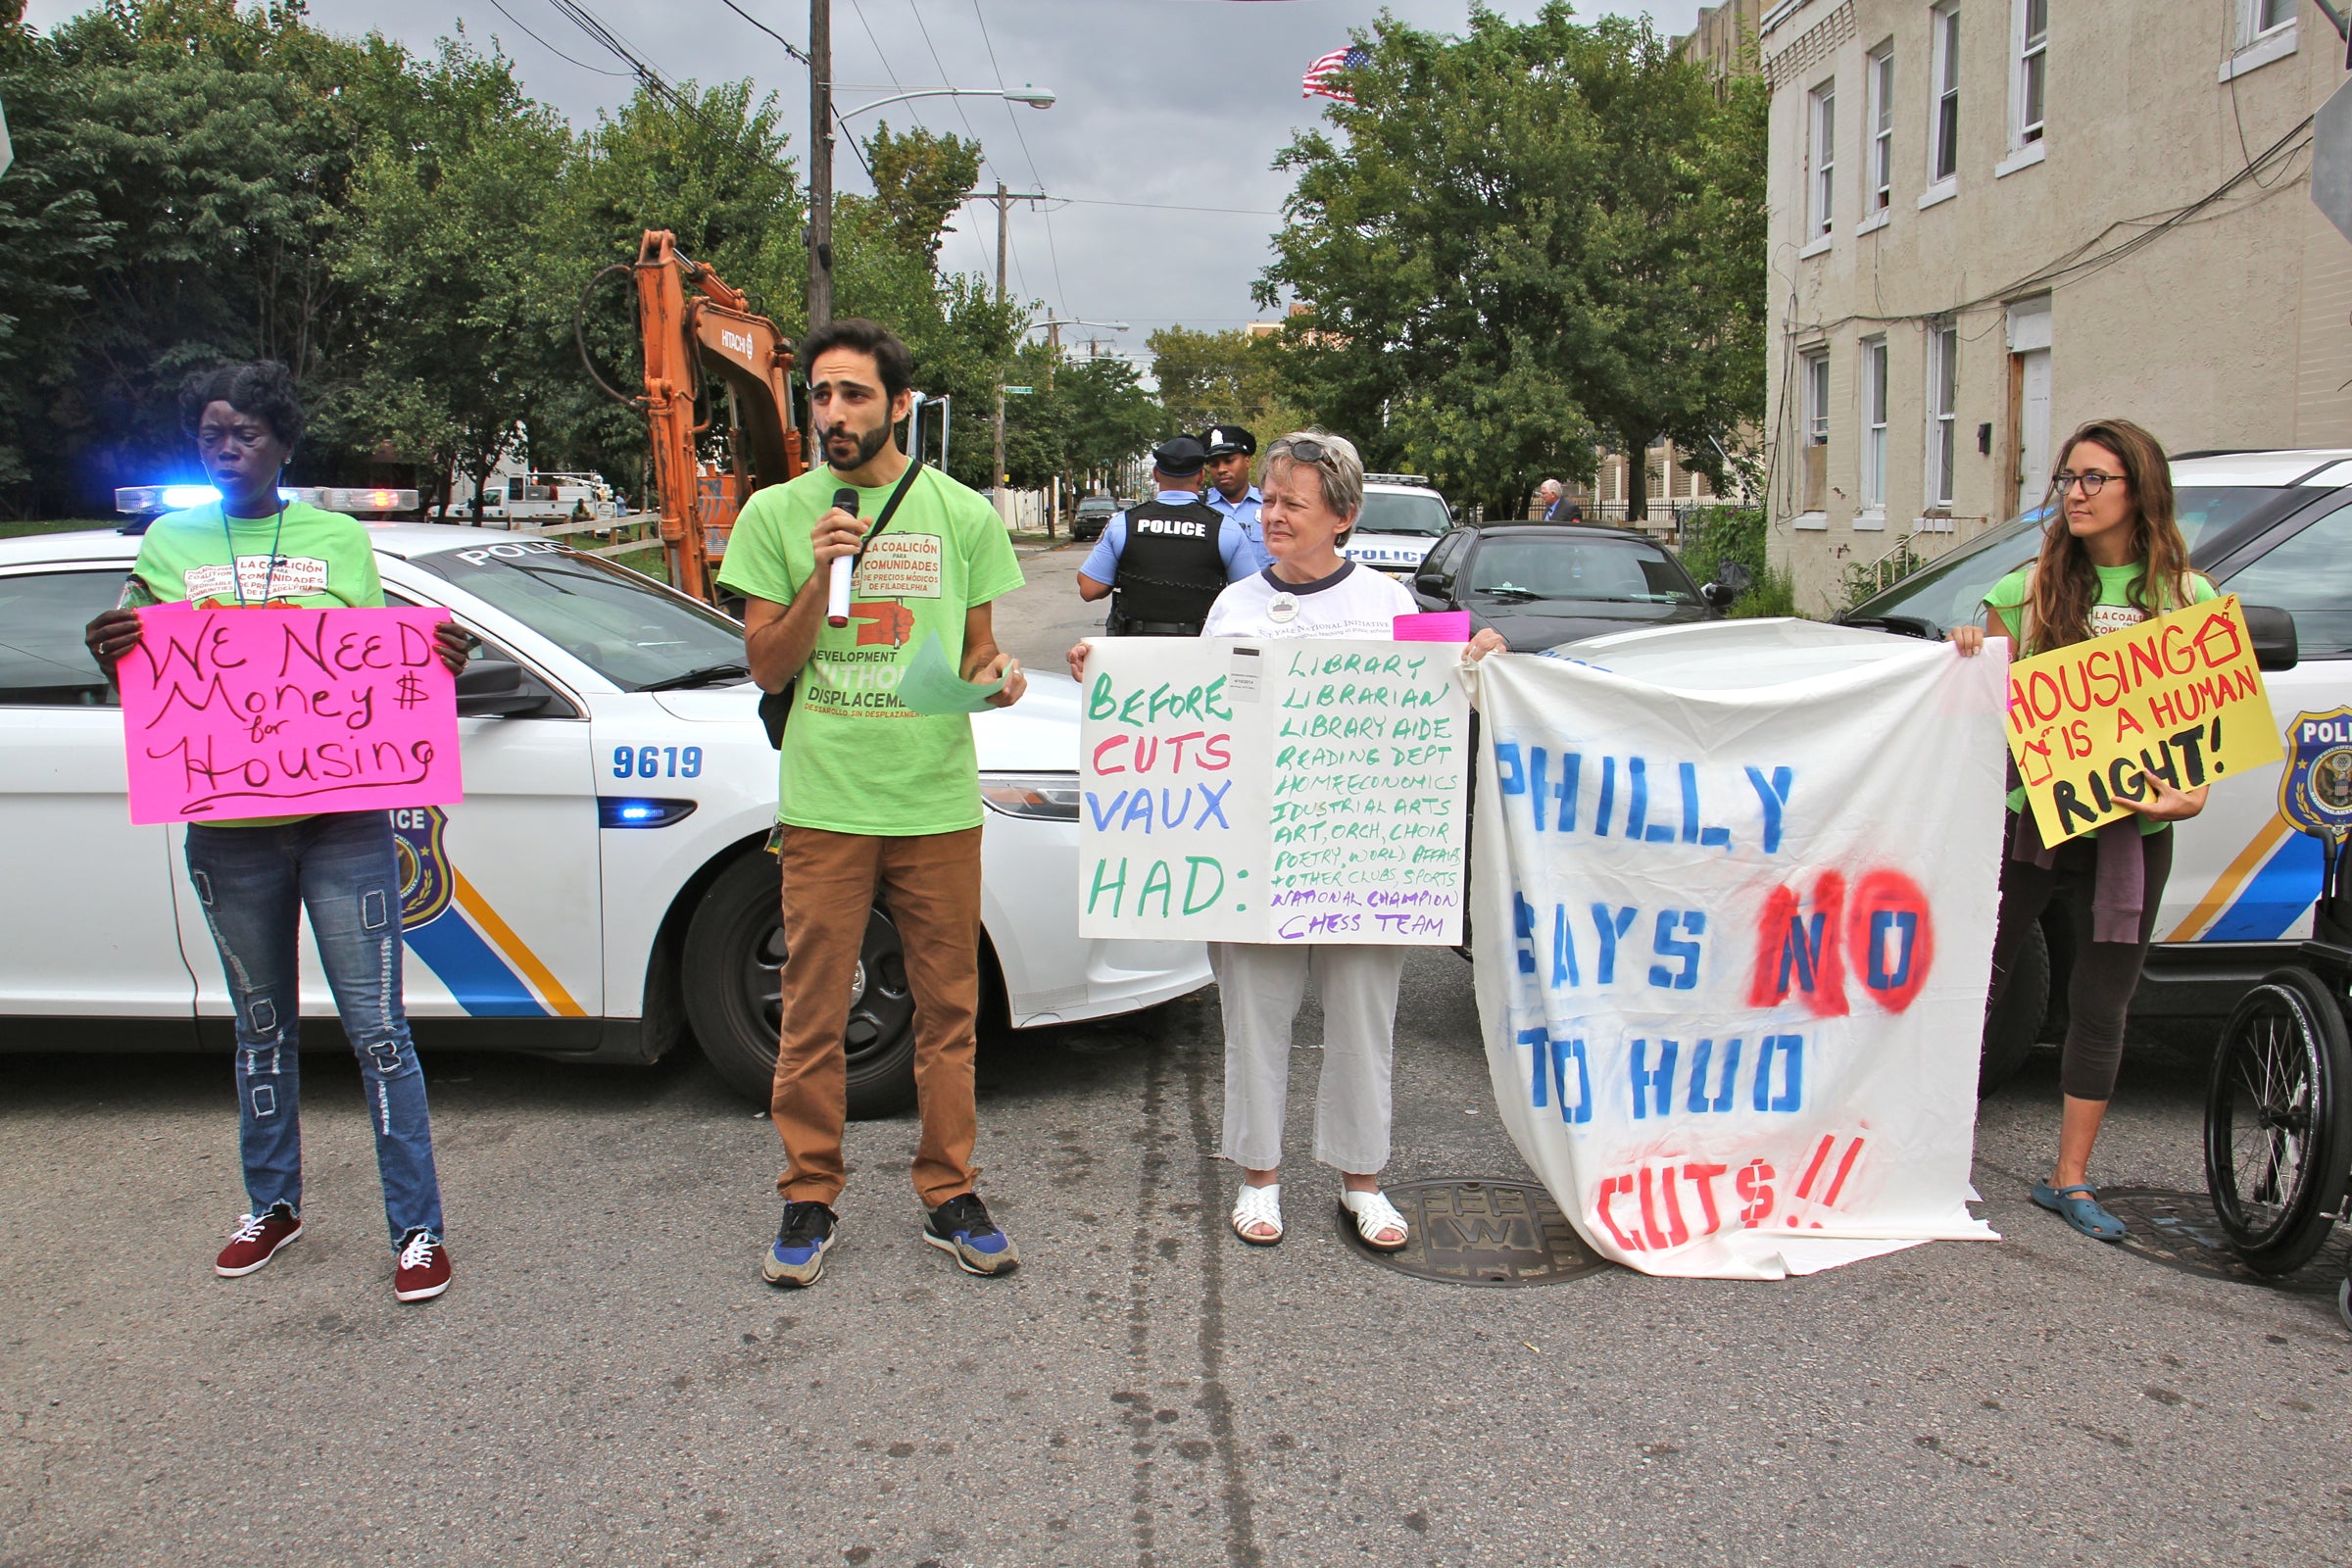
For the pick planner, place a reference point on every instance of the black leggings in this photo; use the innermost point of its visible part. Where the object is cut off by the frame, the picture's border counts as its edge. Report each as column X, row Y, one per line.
column 2099, row 989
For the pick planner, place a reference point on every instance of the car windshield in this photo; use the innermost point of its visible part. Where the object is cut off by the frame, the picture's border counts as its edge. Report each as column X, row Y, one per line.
column 1563, row 567
column 628, row 628
column 1948, row 592
column 1386, row 512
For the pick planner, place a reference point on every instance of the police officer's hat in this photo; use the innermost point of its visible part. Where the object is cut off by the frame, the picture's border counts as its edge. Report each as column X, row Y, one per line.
column 1179, row 457
column 1223, row 440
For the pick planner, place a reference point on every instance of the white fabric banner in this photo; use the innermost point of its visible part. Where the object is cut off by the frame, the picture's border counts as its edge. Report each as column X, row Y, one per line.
column 1733, row 949
column 1234, row 790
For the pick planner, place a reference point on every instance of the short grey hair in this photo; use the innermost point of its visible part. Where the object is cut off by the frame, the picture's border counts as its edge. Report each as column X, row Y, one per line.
column 1549, row 484
column 1339, row 471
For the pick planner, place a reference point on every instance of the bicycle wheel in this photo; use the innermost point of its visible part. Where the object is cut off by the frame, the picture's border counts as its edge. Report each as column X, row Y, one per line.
column 2279, row 1119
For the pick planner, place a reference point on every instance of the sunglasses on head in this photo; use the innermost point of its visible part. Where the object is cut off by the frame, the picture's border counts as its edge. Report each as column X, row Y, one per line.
column 1306, row 449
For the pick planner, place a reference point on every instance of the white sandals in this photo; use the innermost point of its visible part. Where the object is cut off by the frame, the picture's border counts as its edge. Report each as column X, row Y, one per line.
column 1372, row 1214
column 1259, row 1206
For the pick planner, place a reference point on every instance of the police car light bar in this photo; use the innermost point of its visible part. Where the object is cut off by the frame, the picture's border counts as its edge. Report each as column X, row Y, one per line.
column 1421, row 480
column 136, row 499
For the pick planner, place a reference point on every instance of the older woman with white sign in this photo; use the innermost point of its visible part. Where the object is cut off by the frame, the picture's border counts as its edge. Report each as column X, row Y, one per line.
column 1313, row 488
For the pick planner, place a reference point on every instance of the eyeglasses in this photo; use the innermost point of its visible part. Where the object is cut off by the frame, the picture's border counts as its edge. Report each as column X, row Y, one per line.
column 2092, row 482
column 1306, row 449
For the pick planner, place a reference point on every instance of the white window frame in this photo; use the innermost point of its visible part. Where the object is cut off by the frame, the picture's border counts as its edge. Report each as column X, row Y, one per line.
column 1878, row 160
column 1821, row 154
column 1874, row 434
column 2257, row 46
column 1813, row 405
column 2031, row 58
column 1943, row 89
column 1943, row 413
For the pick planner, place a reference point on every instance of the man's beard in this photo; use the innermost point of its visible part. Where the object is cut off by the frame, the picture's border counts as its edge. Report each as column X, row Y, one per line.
column 869, row 444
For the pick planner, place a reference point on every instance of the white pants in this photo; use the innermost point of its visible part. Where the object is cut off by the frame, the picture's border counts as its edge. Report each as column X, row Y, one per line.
column 1260, row 986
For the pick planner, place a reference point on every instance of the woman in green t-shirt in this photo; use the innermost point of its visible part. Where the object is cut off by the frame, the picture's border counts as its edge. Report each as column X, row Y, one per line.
column 2113, row 559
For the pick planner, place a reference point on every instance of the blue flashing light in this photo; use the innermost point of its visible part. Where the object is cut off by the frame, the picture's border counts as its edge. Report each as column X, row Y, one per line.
column 631, row 811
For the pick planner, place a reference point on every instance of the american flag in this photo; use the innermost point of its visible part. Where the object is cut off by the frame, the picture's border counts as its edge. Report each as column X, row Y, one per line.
column 1322, row 77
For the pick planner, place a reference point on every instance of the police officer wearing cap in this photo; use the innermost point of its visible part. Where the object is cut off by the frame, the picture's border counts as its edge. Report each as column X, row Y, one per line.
column 1230, row 449
column 1169, row 558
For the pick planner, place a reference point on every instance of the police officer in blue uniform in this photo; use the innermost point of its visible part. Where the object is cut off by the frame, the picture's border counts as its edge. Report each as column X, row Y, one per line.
column 1167, row 559
column 1230, row 449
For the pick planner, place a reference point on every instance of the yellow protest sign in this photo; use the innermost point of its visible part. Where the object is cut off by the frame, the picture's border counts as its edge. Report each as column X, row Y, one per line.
column 2178, row 697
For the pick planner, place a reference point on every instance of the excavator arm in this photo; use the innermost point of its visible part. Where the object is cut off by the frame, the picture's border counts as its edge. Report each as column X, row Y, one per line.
column 688, row 337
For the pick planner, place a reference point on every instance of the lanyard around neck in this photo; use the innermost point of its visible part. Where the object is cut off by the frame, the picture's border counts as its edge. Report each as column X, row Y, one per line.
column 269, row 577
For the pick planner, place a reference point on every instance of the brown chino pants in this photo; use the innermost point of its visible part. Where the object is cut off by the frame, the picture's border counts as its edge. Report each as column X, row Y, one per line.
column 930, row 885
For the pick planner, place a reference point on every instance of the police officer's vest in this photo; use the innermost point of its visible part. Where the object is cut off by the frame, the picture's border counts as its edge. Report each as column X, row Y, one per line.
column 1169, row 569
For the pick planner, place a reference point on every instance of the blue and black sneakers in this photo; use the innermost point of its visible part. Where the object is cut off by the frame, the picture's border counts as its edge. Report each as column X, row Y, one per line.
column 961, row 1227
column 798, row 1255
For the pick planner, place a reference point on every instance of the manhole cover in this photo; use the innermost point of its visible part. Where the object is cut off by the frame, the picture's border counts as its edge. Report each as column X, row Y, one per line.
column 2179, row 1231
column 1484, row 1233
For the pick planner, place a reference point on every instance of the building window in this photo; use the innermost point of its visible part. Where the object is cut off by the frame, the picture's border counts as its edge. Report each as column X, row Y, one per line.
column 1943, row 411
column 2032, row 43
column 1825, row 155
column 1814, row 371
column 1874, row 425
column 1877, row 192
column 2265, row 16
column 1943, row 125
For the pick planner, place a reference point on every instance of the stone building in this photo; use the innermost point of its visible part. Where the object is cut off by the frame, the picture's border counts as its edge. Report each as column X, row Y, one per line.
column 1993, row 219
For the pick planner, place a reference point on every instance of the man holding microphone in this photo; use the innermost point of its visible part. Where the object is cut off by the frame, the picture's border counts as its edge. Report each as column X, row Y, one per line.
column 873, row 796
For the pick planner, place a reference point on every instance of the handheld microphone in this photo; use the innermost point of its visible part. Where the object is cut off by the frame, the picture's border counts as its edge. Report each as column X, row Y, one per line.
column 837, row 599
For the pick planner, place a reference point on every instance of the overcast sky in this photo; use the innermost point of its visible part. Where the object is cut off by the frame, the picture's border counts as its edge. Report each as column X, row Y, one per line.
column 1180, row 103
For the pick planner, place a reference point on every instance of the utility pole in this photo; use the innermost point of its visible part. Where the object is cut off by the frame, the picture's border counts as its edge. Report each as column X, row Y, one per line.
column 820, row 170
column 1004, row 199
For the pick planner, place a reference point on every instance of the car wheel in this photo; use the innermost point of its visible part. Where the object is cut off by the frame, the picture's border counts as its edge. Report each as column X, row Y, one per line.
column 2013, row 1027
column 733, row 980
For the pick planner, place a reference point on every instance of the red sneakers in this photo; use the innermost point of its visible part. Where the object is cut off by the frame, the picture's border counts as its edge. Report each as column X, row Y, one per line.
column 423, row 1268
column 256, row 1240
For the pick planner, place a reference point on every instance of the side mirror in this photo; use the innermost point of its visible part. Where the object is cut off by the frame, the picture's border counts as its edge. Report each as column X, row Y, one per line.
column 1430, row 584
column 493, row 688
column 2273, row 633
column 1717, row 596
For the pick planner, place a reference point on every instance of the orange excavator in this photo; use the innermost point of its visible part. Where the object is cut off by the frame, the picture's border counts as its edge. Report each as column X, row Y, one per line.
column 693, row 340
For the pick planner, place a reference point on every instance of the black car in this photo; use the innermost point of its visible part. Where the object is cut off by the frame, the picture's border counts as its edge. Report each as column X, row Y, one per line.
column 1093, row 515
column 1542, row 584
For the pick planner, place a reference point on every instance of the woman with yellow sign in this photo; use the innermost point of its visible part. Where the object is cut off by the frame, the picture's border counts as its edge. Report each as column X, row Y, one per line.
column 2111, row 558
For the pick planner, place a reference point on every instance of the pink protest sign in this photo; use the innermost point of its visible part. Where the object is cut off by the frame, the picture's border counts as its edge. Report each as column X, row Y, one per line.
column 233, row 714
column 1435, row 626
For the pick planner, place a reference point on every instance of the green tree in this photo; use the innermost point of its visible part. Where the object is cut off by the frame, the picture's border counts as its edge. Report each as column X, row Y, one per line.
column 919, row 180
column 1214, row 377
column 446, row 236
column 1524, row 240
column 196, row 157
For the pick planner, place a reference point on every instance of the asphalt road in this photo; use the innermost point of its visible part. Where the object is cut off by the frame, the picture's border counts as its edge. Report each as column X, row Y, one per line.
column 608, row 1381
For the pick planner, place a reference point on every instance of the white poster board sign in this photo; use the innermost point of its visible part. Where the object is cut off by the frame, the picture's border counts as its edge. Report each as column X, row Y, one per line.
column 1291, row 791
column 1734, row 948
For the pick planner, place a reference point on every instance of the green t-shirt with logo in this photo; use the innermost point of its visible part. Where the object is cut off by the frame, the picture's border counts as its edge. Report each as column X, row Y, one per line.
column 322, row 561
column 856, row 759
column 2113, row 611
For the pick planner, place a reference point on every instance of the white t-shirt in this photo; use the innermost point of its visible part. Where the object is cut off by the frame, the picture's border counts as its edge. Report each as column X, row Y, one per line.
column 1353, row 602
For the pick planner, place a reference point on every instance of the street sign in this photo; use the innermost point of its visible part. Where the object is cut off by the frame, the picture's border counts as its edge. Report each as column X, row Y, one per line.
column 1015, row 391
column 2332, row 159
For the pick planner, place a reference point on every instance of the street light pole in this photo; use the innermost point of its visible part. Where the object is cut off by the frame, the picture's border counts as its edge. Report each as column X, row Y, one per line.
column 821, row 162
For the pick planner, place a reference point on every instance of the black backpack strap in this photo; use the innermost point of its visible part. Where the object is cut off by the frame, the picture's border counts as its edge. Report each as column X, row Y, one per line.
column 775, row 707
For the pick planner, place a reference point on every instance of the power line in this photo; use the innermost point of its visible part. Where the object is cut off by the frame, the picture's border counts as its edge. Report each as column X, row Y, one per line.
column 789, row 47
column 1167, row 207
column 551, row 48
column 1036, row 176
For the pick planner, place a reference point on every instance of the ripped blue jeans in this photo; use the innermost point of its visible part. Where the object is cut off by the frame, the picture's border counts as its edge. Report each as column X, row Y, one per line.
column 254, row 883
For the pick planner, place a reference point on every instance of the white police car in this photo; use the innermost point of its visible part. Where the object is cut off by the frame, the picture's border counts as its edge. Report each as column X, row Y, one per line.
column 603, row 890
column 1403, row 518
